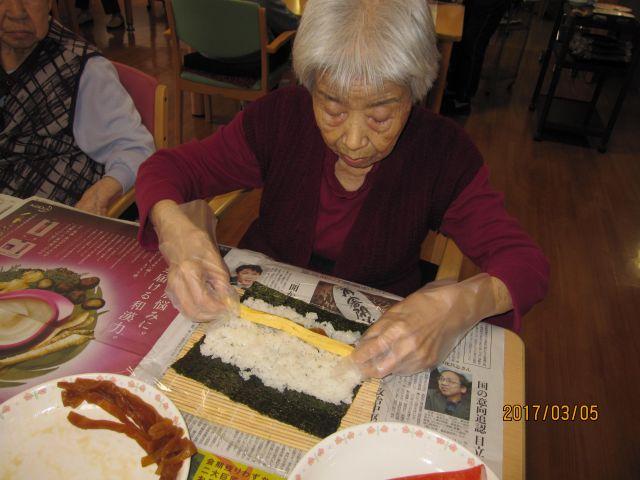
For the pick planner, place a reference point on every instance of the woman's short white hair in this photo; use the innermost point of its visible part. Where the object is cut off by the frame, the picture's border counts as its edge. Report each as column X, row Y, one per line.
column 369, row 42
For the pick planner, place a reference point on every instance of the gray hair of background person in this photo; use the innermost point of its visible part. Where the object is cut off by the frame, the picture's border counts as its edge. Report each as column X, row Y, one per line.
column 367, row 41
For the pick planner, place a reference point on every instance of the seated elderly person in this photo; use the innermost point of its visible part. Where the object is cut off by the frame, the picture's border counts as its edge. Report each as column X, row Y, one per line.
column 68, row 129
column 354, row 174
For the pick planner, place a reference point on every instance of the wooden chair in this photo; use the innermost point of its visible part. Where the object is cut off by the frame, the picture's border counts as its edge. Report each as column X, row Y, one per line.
column 220, row 204
column 150, row 99
column 443, row 252
column 221, row 29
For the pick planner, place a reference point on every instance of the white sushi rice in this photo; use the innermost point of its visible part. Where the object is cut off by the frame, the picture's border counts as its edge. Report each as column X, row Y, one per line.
column 310, row 320
column 280, row 360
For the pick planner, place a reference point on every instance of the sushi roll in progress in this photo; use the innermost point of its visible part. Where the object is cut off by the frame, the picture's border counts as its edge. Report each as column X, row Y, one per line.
column 275, row 373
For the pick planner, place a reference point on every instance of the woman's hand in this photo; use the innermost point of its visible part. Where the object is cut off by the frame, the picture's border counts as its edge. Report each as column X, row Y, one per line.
column 419, row 332
column 198, row 279
column 97, row 198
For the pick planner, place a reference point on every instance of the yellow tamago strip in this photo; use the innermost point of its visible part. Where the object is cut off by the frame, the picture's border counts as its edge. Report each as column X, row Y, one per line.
column 292, row 328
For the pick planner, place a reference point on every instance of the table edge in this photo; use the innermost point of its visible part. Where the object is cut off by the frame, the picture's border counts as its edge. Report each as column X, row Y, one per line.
column 513, row 441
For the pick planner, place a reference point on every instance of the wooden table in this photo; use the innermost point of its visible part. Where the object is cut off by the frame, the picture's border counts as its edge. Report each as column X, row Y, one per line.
column 449, row 19
column 513, row 439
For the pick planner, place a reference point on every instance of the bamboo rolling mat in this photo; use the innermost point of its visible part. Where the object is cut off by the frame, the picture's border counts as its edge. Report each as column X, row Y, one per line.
column 195, row 398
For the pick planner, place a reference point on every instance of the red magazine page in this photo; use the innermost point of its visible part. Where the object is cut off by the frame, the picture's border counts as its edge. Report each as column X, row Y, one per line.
column 77, row 294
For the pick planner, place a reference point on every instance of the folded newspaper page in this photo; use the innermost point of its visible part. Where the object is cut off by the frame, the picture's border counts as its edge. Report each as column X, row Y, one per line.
column 242, row 447
column 461, row 398
column 473, row 376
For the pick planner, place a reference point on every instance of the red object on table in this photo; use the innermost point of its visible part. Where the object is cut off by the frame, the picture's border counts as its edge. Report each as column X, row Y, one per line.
column 475, row 473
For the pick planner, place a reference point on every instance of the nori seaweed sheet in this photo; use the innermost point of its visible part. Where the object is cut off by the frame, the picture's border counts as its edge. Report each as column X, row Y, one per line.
column 275, row 298
column 303, row 411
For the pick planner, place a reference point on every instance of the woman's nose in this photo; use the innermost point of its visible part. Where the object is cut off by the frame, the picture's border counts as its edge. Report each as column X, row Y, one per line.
column 355, row 137
column 15, row 8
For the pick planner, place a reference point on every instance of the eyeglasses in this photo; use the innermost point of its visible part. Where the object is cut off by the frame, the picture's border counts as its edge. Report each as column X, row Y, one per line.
column 446, row 381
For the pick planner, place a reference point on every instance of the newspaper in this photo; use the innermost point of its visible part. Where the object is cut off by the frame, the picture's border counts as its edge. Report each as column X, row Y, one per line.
column 351, row 300
column 242, row 447
column 477, row 425
column 475, row 365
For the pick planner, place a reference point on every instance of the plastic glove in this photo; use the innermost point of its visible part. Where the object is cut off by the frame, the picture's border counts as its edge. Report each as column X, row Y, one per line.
column 421, row 330
column 198, row 279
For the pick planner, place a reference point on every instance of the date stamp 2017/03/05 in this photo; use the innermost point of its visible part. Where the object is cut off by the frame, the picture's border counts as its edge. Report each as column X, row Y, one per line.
column 554, row 413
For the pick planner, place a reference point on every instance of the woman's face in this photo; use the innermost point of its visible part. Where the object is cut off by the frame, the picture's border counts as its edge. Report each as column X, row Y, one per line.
column 23, row 23
column 363, row 127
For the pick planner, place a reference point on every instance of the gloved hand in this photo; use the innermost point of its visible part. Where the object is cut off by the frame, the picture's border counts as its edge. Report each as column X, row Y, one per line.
column 198, row 279
column 421, row 330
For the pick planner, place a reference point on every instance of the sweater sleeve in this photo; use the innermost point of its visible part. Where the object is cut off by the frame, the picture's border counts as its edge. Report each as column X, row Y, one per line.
column 220, row 163
column 483, row 230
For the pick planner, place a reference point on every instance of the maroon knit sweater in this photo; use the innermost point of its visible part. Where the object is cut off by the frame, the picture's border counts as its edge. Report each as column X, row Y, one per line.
column 433, row 179
column 432, row 162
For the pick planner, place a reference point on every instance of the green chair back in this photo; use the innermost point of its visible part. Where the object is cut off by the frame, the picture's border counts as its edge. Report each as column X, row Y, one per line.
column 218, row 28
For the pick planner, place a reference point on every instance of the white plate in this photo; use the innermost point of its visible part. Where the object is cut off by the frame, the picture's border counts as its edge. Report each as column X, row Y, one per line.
column 383, row 450
column 37, row 440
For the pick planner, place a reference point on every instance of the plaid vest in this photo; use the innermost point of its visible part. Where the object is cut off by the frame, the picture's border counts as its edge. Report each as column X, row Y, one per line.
column 38, row 153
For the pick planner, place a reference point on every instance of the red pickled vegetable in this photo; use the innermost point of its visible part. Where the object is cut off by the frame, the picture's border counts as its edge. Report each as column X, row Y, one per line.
column 158, row 436
column 475, row 473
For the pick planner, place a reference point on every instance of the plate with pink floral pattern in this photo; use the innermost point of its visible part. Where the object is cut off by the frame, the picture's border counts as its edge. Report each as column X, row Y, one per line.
column 384, row 450
column 37, row 440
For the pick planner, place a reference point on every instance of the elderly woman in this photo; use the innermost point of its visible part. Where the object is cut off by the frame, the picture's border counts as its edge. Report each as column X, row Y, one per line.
column 354, row 174
column 68, row 129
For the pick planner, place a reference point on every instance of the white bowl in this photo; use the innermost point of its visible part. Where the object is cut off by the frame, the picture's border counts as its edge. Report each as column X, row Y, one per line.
column 384, row 450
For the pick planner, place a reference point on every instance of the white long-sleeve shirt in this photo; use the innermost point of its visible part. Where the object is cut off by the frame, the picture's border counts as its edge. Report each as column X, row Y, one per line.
column 106, row 124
